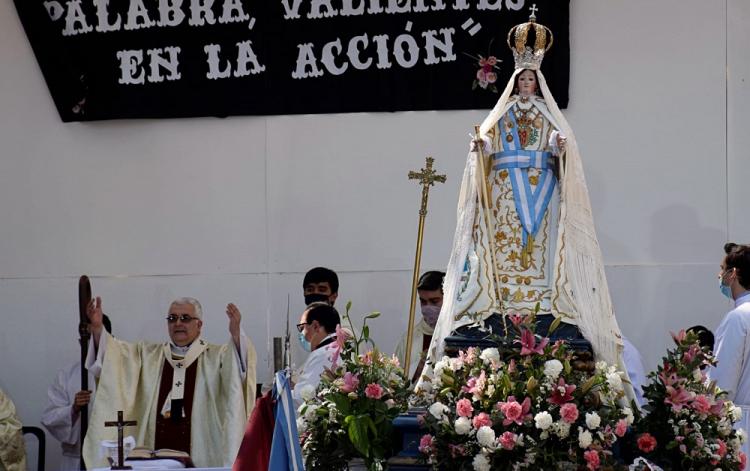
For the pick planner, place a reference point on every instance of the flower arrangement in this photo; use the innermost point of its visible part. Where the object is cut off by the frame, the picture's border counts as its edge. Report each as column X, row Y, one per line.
column 529, row 409
column 486, row 75
column 351, row 413
column 689, row 421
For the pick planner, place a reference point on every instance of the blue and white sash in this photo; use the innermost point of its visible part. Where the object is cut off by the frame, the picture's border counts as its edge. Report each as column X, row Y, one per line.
column 530, row 205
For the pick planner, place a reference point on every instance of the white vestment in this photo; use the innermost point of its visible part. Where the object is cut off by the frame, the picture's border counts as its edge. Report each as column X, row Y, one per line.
column 58, row 417
column 12, row 448
column 732, row 372
column 129, row 379
column 308, row 377
column 420, row 330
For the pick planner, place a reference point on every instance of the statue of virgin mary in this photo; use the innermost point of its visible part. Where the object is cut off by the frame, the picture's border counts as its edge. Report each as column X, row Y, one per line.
column 525, row 235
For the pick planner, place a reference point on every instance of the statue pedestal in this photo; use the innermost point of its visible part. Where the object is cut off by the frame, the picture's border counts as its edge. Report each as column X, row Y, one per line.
column 494, row 335
column 409, row 458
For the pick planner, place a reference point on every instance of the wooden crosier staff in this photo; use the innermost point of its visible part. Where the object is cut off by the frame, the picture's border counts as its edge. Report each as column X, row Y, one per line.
column 84, row 297
column 427, row 177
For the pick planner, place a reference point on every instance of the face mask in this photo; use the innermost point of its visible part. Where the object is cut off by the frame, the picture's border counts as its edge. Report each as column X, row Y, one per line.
column 304, row 342
column 725, row 289
column 316, row 297
column 430, row 315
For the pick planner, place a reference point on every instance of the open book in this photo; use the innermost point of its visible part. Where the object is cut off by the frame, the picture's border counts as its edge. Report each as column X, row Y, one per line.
column 143, row 453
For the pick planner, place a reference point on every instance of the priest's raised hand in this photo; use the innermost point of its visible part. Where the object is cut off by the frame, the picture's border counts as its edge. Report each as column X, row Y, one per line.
column 185, row 393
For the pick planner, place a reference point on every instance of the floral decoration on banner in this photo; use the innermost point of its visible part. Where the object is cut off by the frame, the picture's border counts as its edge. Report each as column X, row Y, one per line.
column 529, row 409
column 351, row 413
column 486, row 76
column 689, row 424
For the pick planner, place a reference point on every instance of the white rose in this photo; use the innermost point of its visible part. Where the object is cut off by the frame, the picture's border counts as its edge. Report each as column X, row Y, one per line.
column 593, row 420
column 552, row 369
column 425, row 386
column 310, row 412
column 462, row 425
column 543, row 420
column 615, row 381
column 481, row 463
column 628, row 415
column 301, row 425
column 584, row 438
column 490, row 354
column 724, row 427
column 307, row 392
column 440, row 366
column 601, row 366
column 741, row 435
column 438, row 410
column 486, row 436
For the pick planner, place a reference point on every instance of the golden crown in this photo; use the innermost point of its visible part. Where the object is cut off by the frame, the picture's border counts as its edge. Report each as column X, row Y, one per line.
column 525, row 56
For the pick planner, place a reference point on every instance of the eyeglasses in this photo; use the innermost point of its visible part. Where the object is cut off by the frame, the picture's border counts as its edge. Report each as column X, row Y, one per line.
column 301, row 327
column 184, row 318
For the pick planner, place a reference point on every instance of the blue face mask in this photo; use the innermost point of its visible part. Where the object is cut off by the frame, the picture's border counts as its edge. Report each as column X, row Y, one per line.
column 725, row 289
column 304, row 342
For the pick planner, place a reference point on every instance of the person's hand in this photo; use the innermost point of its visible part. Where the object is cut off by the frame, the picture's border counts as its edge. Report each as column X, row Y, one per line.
column 95, row 315
column 81, row 399
column 234, row 322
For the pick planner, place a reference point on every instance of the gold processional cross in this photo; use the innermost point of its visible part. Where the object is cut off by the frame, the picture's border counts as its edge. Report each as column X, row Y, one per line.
column 427, row 178
column 120, row 424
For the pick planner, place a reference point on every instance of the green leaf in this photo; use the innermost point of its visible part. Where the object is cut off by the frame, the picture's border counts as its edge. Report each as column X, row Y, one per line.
column 358, row 434
column 555, row 324
column 373, row 315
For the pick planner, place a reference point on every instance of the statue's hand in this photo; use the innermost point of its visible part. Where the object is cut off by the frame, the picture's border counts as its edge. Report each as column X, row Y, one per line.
column 479, row 143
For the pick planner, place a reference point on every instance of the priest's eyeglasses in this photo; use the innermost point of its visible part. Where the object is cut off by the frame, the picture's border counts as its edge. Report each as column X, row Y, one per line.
column 184, row 318
column 301, row 327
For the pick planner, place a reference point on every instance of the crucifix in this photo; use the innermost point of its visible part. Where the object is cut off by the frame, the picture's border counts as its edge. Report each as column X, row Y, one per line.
column 120, row 424
column 427, row 178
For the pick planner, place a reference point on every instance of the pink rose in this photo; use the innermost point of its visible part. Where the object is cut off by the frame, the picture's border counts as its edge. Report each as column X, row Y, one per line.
column 701, row 404
column 512, row 410
column 425, row 444
column 463, row 408
column 722, row 448
column 351, row 381
column 481, row 420
column 743, row 461
column 621, row 427
column 569, row 412
column 646, row 443
column 592, row 459
column 374, row 391
column 508, row 440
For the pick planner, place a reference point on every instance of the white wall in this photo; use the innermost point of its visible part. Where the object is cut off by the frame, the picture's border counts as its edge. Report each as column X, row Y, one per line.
column 238, row 209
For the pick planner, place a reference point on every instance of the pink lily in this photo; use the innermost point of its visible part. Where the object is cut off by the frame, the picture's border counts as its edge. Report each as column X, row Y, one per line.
column 529, row 345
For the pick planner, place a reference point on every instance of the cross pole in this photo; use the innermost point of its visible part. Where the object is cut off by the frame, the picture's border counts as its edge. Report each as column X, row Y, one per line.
column 120, row 424
column 84, row 297
column 427, row 178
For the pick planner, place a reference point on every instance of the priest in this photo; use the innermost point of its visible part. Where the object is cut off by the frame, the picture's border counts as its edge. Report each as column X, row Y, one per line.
column 185, row 394
column 12, row 449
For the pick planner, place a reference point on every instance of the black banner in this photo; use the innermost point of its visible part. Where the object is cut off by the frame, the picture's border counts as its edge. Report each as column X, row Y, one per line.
column 106, row 59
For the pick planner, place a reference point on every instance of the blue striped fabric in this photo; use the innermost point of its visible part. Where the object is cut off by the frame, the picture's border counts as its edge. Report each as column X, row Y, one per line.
column 286, row 453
